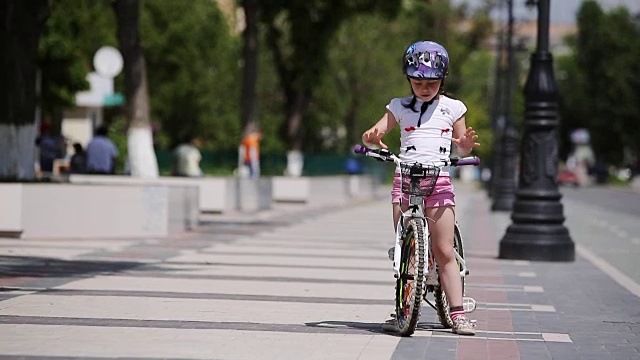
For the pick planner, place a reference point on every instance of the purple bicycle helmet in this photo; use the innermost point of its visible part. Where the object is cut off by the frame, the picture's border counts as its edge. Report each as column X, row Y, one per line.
column 426, row 60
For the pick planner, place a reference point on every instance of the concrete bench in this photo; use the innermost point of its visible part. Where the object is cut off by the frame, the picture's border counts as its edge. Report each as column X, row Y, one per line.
column 290, row 189
column 87, row 211
column 321, row 190
column 253, row 194
column 215, row 194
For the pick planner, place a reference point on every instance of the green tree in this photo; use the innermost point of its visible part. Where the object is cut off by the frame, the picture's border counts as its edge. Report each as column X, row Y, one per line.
column 298, row 34
column 601, row 81
column 63, row 72
column 364, row 73
column 193, row 72
column 21, row 25
column 474, row 91
column 142, row 158
column 250, row 39
column 66, row 51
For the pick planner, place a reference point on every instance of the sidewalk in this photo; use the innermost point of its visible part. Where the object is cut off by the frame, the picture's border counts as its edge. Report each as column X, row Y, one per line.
column 297, row 283
column 572, row 302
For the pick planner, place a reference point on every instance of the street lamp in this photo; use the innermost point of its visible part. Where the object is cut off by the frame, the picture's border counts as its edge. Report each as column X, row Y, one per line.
column 537, row 231
column 497, row 110
column 504, row 185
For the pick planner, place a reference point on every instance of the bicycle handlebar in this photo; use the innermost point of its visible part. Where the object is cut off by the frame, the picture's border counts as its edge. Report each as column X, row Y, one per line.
column 470, row 160
column 386, row 155
column 359, row 149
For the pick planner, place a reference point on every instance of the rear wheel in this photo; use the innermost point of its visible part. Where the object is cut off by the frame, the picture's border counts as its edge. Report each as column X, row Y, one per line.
column 442, row 304
column 410, row 283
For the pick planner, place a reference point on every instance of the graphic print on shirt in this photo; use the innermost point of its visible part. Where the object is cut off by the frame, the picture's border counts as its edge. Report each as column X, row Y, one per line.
column 445, row 111
column 431, row 141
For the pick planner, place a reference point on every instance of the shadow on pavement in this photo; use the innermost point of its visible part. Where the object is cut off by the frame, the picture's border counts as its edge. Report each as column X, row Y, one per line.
column 331, row 324
column 433, row 326
column 25, row 266
column 376, row 327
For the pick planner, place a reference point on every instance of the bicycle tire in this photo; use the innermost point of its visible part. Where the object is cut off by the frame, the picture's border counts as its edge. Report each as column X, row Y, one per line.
column 409, row 286
column 441, row 302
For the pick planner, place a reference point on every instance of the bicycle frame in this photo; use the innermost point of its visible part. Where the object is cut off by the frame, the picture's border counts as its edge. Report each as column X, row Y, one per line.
column 418, row 181
column 416, row 211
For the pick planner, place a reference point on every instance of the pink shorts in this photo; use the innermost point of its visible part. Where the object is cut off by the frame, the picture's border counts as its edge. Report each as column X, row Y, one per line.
column 442, row 194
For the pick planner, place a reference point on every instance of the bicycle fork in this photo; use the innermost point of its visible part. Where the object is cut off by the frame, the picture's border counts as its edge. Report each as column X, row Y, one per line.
column 396, row 254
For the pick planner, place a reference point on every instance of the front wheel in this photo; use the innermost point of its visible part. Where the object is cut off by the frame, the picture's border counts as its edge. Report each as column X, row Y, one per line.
column 410, row 283
column 442, row 304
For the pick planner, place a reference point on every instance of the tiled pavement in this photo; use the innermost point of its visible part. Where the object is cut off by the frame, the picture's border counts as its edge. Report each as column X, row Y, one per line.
column 297, row 284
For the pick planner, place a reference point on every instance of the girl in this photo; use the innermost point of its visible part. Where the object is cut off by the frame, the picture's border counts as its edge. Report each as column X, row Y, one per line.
column 429, row 122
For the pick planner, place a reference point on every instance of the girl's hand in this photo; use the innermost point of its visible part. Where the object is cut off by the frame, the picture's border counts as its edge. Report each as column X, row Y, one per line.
column 373, row 137
column 467, row 141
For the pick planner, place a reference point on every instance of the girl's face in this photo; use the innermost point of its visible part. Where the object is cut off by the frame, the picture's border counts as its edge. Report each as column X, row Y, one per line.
column 425, row 89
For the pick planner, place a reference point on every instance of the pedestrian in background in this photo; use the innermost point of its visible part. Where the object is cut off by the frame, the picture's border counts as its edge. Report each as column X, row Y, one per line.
column 249, row 152
column 78, row 162
column 187, row 159
column 51, row 147
column 101, row 153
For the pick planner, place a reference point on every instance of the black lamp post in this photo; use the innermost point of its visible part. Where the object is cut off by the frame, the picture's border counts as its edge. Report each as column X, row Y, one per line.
column 497, row 111
column 537, row 231
column 504, row 186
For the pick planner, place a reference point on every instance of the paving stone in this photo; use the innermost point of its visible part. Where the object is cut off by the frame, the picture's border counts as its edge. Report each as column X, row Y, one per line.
column 533, row 351
column 303, row 284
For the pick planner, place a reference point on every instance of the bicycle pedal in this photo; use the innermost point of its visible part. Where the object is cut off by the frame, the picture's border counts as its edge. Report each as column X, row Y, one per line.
column 468, row 304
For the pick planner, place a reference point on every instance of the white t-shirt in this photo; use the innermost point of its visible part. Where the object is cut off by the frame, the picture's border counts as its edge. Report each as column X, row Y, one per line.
column 431, row 141
column 188, row 161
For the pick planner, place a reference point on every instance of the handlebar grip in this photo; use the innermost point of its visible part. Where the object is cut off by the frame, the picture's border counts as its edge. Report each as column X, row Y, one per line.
column 469, row 161
column 359, row 149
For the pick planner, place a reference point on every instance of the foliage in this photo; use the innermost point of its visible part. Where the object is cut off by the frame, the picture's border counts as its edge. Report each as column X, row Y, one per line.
column 343, row 55
column 363, row 73
column 360, row 79
column 291, row 27
column 192, row 61
column 193, row 72
column 73, row 33
column 118, row 134
column 601, row 81
column 474, row 92
column 270, row 105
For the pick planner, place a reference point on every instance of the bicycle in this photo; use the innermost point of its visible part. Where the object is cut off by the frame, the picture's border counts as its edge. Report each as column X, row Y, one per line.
column 415, row 269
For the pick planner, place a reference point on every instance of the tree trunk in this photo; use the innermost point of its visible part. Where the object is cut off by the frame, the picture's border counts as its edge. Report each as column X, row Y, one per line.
column 297, row 108
column 21, row 23
column 294, row 120
column 250, row 71
column 142, row 158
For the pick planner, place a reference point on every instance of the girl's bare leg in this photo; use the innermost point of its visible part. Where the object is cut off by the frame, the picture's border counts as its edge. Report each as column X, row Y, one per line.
column 441, row 227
